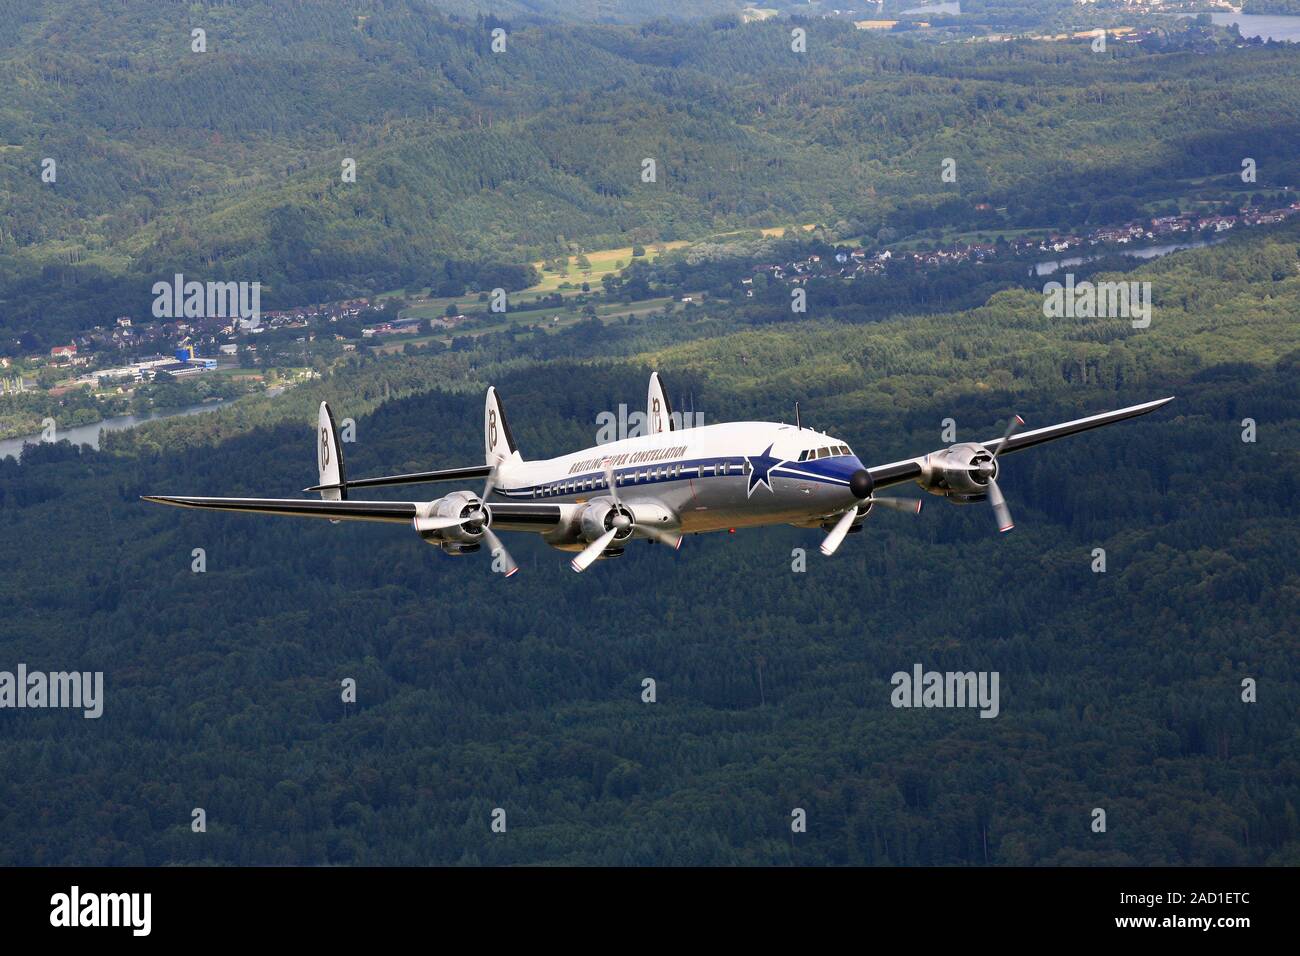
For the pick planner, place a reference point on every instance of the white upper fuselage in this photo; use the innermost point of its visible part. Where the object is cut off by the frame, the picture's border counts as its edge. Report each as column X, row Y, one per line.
column 713, row 477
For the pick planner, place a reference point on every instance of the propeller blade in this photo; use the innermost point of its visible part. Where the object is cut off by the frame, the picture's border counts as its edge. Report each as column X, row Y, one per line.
column 1016, row 422
column 609, row 481
column 592, row 551
column 836, row 537
column 673, row 541
column 1000, row 508
column 909, row 505
column 489, row 484
column 497, row 548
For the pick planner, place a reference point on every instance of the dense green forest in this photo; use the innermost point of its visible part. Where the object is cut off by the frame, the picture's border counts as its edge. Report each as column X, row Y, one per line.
column 1120, row 690
column 228, row 163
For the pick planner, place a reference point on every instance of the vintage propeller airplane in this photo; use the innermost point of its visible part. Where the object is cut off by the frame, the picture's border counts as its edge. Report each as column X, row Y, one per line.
column 660, row 485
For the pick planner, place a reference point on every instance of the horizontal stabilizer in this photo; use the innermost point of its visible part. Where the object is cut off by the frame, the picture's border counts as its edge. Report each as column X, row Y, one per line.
column 414, row 478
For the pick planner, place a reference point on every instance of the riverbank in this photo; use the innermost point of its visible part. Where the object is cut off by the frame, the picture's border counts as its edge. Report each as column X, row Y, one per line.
column 89, row 434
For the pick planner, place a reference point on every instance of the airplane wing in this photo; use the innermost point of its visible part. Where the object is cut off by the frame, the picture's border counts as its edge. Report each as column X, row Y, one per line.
column 506, row 516
column 898, row 472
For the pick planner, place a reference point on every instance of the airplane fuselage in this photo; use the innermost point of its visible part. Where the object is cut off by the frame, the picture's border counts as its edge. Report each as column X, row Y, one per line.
column 715, row 477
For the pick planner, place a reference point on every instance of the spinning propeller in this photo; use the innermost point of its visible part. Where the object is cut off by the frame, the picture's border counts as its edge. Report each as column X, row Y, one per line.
column 841, row 529
column 988, row 470
column 480, row 516
column 621, row 524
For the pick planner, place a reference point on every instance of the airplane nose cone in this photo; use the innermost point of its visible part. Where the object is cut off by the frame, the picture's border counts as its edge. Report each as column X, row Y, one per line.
column 861, row 484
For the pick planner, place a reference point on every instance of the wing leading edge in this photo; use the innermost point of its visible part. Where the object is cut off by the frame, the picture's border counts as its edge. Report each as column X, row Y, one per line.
column 895, row 473
column 507, row 516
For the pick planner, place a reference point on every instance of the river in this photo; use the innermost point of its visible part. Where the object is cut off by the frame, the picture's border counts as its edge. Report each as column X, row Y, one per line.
column 933, row 8
column 1268, row 26
column 1049, row 266
column 89, row 434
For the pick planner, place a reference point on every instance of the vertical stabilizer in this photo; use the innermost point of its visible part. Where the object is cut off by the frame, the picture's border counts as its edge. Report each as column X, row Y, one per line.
column 498, row 442
column 659, row 413
column 329, row 457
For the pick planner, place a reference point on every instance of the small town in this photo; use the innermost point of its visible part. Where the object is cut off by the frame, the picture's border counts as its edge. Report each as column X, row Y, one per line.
column 1130, row 236
column 114, row 359
column 98, row 357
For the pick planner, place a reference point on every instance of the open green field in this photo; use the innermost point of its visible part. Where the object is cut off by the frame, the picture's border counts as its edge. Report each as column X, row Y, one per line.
column 603, row 263
column 607, row 261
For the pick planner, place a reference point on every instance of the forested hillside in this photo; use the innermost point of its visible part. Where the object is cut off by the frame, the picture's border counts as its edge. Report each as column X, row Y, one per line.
column 228, row 163
column 1120, row 690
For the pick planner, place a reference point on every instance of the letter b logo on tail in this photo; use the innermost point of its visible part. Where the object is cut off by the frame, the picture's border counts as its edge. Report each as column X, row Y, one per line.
column 499, row 444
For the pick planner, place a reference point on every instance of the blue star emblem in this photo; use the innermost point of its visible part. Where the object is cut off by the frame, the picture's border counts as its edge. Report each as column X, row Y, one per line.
column 760, row 467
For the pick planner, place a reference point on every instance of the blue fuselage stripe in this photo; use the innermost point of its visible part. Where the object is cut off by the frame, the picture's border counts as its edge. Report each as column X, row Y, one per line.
column 836, row 470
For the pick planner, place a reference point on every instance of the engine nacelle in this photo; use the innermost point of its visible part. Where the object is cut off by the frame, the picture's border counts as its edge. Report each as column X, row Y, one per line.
column 598, row 517
column 456, row 539
column 960, row 473
column 651, row 514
